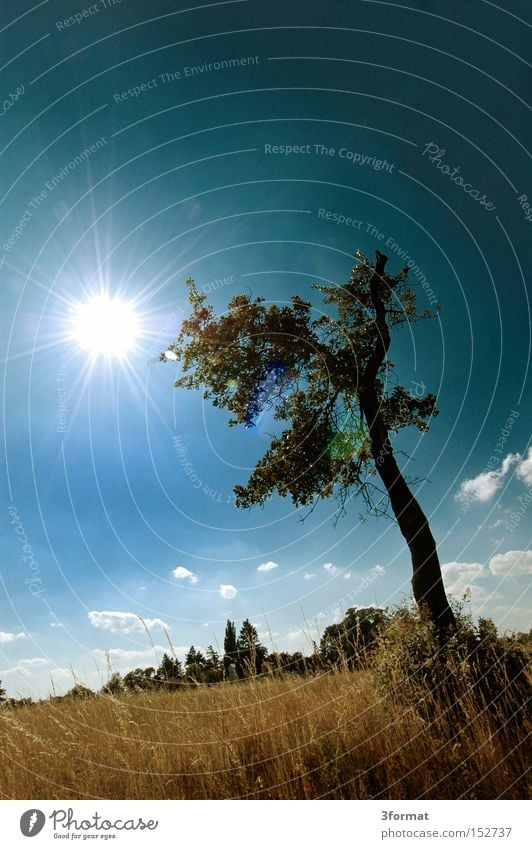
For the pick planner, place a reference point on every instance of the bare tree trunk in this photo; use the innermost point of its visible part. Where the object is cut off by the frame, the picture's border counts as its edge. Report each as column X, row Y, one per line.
column 427, row 583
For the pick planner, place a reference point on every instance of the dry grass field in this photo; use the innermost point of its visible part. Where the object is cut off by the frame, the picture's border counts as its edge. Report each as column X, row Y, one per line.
column 328, row 736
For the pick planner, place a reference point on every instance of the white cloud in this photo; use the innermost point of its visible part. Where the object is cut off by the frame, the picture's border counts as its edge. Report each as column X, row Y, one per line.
column 267, row 635
column 331, row 616
column 512, row 563
column 479, row 595
column 129, row 657
column 524, row 469
column 295, row 633
column 484, row 486
column 25, row 666
column 8, row 637
column 227, row 590
column 183, row 574
column 335, row 615
column 267, row 567
column 309, row 575
column 347, row 575
column 61, row 670
column 379, row 570
column 123, row 623
column 56, row 625
column 459, row 576
column 331, row 569
column 297, row 639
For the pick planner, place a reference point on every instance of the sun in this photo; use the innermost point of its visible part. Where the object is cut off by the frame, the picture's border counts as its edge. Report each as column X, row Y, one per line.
column 105, row 326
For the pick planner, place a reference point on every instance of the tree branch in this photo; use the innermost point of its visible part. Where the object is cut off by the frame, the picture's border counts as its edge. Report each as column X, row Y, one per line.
column 382, row 343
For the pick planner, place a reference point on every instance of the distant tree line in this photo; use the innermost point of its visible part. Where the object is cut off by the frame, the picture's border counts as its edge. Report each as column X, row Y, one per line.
column 348, row 645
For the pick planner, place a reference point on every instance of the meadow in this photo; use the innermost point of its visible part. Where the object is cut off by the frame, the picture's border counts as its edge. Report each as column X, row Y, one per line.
column 332, row 735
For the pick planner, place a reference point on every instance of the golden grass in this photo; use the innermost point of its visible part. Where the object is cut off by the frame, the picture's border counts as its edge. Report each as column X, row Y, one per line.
column 330, row 736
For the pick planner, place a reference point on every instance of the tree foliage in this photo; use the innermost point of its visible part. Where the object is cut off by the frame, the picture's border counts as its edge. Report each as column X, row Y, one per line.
column 195, row 664
column 140, row 679
column 114, row 686
column 212, row 658
column 307, row 366
column 230, row 644
column 477, row 662
column 352, row 641
column 79, row 691
column 170, row 672
column 251, row 653
column 327, row 377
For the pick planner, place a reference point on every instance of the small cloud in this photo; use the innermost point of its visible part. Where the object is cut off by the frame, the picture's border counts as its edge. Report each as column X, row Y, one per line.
column 480, row 595
column 119, row 657
column 347, row 575
column 331, row 569
column 267, row 567
column 297, row 639
column 266, row 635
column 123, row 623
column 308, row 576
column 8, row 637
column 512, row 563
column 25, row 666
column 484, row 486
column 227, row 590
column 331, row 616
column 524, row 469
column 295, row 632
column 460, row 576
column 170, row 355
column 183, row 574
column 56, row 625
column 379, row 570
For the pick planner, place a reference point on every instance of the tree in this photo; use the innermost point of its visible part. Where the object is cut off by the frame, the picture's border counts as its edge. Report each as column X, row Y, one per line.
column 114, row 685
column 140, row 679
column 2, row 693
column 251, row 653
column 169, row 672
column 329, row 378
column 24, row 701
column 212, row 658
column 282, row 662
column 352, row 640
column 195, row 664
column 213, row 672
column 230, row 646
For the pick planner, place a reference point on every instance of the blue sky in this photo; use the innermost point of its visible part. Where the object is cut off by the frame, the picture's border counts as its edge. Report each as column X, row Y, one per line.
column 230, row 143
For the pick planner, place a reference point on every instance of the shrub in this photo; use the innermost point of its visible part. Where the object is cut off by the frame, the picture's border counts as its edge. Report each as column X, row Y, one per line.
column 475, row 670
column 79, row 691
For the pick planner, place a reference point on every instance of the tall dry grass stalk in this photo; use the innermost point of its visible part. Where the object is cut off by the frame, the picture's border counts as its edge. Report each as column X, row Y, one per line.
column 329, row 736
